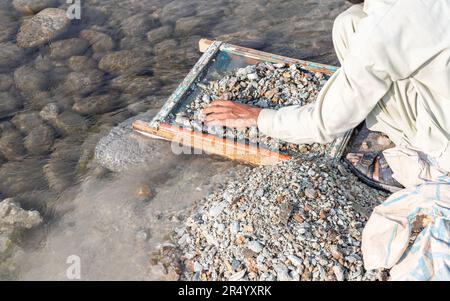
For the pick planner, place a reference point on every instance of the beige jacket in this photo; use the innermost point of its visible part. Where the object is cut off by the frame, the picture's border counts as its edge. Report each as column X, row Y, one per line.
column 395, row 75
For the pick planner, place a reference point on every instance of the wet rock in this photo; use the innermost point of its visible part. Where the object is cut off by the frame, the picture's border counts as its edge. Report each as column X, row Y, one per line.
column 40, row 140
column 10, row 55
column 136, row 85
column 99, row 41
column 33, row 6
column 6, row 81
column 43, row 63
column 81, row 63
column 160, row 34
column 26, row 122
column 59, row 174
column 11, row 145
column 13, row 221
column 30, row 80
column 9, row 104
column 22, row 176
column 166, row 48
column 83, row 82
column 42, row 28
column 49, row 112
column 61, row 168
column 130, row 43
column 175, row 10
column 64, row 49
column 8, row 24
column 115, row 117
column 192, row 25
column 68, row 123
column 97, row 104
column 138, row 25
column 124, row 62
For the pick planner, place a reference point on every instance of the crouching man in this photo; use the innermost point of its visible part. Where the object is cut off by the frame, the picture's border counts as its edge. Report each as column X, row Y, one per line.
column 395, row 76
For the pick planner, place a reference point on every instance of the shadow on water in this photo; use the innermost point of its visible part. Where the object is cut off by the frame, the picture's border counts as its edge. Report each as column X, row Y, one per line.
column 122, row 58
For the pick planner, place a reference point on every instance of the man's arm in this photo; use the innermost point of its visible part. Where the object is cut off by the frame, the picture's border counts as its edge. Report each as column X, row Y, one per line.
column 344, row 102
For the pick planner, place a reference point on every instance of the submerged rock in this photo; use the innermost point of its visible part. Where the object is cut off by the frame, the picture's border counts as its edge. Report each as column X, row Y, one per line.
column 9, row 104
column 99, row 41
column 40, row 140
column 136, row 85
column 10, row 55
column 124, row 62
column 96, row 104
column 22, row 176
column 30, row 80
column 83, row 82
column 160, row 34
column 61, row 169
column 8, row 24
column 175, row 10
column 26, row 122
column 14, row 220
column 81, row 63
column 69, row 123
column 11, row 145
column 13, row 217
column 64, row 49
column 6, row 81
column 138, row 25
column 42, row 28
column 33, row 6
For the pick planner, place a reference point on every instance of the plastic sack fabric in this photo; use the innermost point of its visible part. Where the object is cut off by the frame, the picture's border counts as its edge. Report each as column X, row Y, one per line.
column 386, row 237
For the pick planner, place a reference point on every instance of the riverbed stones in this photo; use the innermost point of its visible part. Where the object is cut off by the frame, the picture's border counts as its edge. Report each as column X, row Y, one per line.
column 10, row 55
column 296, row 250
column 160, row 34
column 81, row 63
column 191, row 25
column 135, row 85
column 39, row 141
column 61, row 168
column 11, row 145
column 22, row 176
column 100, row 42
column 26, row 122
column 63, row 49
column 6, row 81
column 29, row 80
column 9, row 104
column 83, row 82
column 42, row 27
column 70, row 123
column 177, row 9
column 33, row 6
column 96, row 104
column 8, row 24
column 138, row 25
column 124, row 62
column 49, row 112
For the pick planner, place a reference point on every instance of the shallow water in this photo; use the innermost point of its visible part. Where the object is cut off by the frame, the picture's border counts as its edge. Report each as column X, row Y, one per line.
column 88, row 211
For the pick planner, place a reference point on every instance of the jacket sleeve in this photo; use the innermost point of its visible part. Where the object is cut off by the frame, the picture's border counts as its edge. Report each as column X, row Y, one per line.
column 345, row 100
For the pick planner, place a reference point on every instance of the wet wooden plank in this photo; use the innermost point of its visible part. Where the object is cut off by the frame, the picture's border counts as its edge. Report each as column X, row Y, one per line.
column 211, row 144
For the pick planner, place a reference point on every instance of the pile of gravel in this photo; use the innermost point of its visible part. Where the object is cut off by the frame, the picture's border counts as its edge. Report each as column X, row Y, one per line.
column 300, row 220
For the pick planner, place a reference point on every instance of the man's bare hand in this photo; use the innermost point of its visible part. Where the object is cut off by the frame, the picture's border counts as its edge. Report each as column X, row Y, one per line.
column 231, row 114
